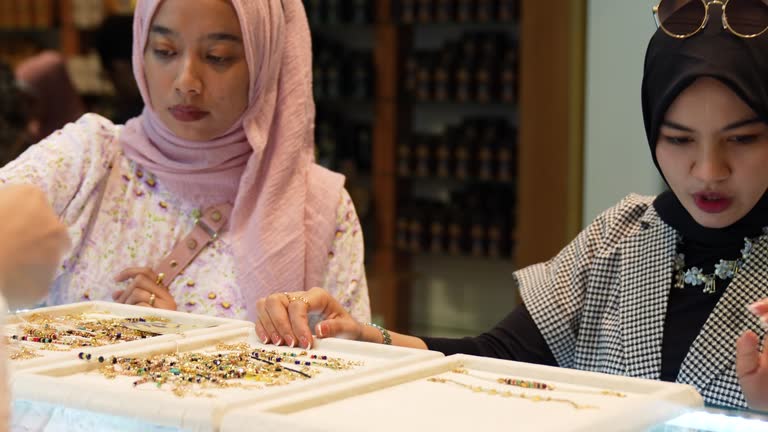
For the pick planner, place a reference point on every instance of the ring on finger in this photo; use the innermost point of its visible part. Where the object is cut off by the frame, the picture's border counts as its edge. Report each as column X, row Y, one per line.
column 152, row 298
column 293, row 298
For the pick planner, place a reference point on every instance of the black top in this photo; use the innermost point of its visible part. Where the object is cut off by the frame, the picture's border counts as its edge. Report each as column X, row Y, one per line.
column 514, row 338
column 517, row 337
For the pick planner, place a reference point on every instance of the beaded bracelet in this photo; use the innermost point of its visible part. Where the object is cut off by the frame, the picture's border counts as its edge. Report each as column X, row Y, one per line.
column 387, row 339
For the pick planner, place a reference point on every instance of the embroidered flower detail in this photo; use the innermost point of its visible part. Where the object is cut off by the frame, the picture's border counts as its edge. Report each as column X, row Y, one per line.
column 747, row 248
column 725, row 269
column 679, row 261
column 694, row 276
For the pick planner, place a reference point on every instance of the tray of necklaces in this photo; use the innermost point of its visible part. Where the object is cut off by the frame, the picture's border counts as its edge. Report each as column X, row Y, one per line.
column 190, row 382
column 41, row 336
column 466, row 393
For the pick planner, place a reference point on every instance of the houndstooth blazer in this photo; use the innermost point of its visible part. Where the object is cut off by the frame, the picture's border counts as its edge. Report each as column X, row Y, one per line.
column 601, row 302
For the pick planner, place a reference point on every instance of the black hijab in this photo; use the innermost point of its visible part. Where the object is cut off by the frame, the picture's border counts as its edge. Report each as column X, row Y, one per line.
column 671, row 65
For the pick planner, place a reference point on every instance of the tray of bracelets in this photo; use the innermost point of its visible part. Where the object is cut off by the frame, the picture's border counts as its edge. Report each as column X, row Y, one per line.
column 466, row 393
column 189, row 383
column 42, row 336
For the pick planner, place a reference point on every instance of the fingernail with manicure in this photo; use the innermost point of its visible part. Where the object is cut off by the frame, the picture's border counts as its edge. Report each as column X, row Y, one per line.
column 304, row 342
column 290, row 342
column 276, row 339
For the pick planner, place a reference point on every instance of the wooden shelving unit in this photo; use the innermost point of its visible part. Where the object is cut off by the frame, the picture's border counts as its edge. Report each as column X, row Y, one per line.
column 548, row 184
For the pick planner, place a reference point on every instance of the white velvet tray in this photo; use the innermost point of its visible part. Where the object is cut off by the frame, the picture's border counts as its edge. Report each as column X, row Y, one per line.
column 205, row 325
column 405, row 400
column 78, row 384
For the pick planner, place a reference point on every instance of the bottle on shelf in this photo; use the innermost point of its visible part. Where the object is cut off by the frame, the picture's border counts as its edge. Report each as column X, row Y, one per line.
column 423, row 156
column 508, row 10
column 424, row 14
column 486, row 11
column 361, row 12
column 465, row 11
column 437, row 232
column 407, row 11
column 424, row 82
column 455, row 240
column 416, row 229
column 443, row 77
column 508, row 79
column 444, row 153
column 445, row 11
column 404, row 158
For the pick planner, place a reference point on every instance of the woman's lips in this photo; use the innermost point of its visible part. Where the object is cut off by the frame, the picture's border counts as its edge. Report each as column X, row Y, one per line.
column 711, row 202
column 186, row 113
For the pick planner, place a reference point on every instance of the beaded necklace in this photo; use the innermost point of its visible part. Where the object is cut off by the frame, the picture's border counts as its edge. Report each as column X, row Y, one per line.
column 231, row 365
column 509, row 394
column 536, row 385
column 41, row 332
column 725, row 269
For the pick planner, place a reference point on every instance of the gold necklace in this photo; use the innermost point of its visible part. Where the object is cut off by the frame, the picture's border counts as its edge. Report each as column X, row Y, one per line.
column 536, row 385
column 509, row 394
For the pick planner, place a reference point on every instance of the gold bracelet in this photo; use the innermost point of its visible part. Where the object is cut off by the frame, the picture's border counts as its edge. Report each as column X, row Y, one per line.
column 385, row 336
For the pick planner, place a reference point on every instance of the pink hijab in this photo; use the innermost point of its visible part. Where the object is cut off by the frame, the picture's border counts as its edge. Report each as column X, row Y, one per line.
column 284, row 215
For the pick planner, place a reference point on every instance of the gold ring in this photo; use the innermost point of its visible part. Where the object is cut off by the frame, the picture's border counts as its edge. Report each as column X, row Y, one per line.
column 293, row 298
column 159, row 280
column 299, row 298
column 152, row 298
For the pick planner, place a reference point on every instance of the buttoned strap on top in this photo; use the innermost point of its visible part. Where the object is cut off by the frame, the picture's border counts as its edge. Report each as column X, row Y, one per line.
column 206, row 230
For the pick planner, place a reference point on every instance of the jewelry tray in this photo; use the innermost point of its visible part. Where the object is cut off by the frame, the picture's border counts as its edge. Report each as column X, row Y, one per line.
column 78, row 384
column 405, row 400
column 205, row 323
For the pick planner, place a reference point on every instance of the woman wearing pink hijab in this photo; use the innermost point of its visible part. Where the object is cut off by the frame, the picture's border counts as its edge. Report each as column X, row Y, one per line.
column 211, row 198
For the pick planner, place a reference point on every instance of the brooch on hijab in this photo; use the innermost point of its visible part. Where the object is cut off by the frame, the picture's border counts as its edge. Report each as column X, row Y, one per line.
column 725, row 269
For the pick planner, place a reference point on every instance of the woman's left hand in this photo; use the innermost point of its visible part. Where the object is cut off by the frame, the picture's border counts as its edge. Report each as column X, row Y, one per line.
column 144, row 290
column 752, row 365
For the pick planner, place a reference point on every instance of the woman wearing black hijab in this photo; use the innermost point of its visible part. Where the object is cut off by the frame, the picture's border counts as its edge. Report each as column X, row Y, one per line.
column 656, row 287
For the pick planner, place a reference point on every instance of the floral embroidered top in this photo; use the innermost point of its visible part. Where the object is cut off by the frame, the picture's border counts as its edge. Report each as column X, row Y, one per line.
column 135, row 222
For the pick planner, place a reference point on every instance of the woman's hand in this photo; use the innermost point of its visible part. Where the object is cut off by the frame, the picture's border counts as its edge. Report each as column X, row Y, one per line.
column 144, row 290
column 284, row 318
column 751, row 364
column 33, row 242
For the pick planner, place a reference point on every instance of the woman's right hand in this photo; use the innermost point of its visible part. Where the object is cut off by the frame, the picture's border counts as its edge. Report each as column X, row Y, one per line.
column 283, row 319
column 33, row 241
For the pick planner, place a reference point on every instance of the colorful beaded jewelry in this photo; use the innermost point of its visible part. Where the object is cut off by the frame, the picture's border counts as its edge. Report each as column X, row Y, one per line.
column 40, row 332
column 231, row 365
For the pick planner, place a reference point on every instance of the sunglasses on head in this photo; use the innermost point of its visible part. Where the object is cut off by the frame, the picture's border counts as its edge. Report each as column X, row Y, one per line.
column 684, row 18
